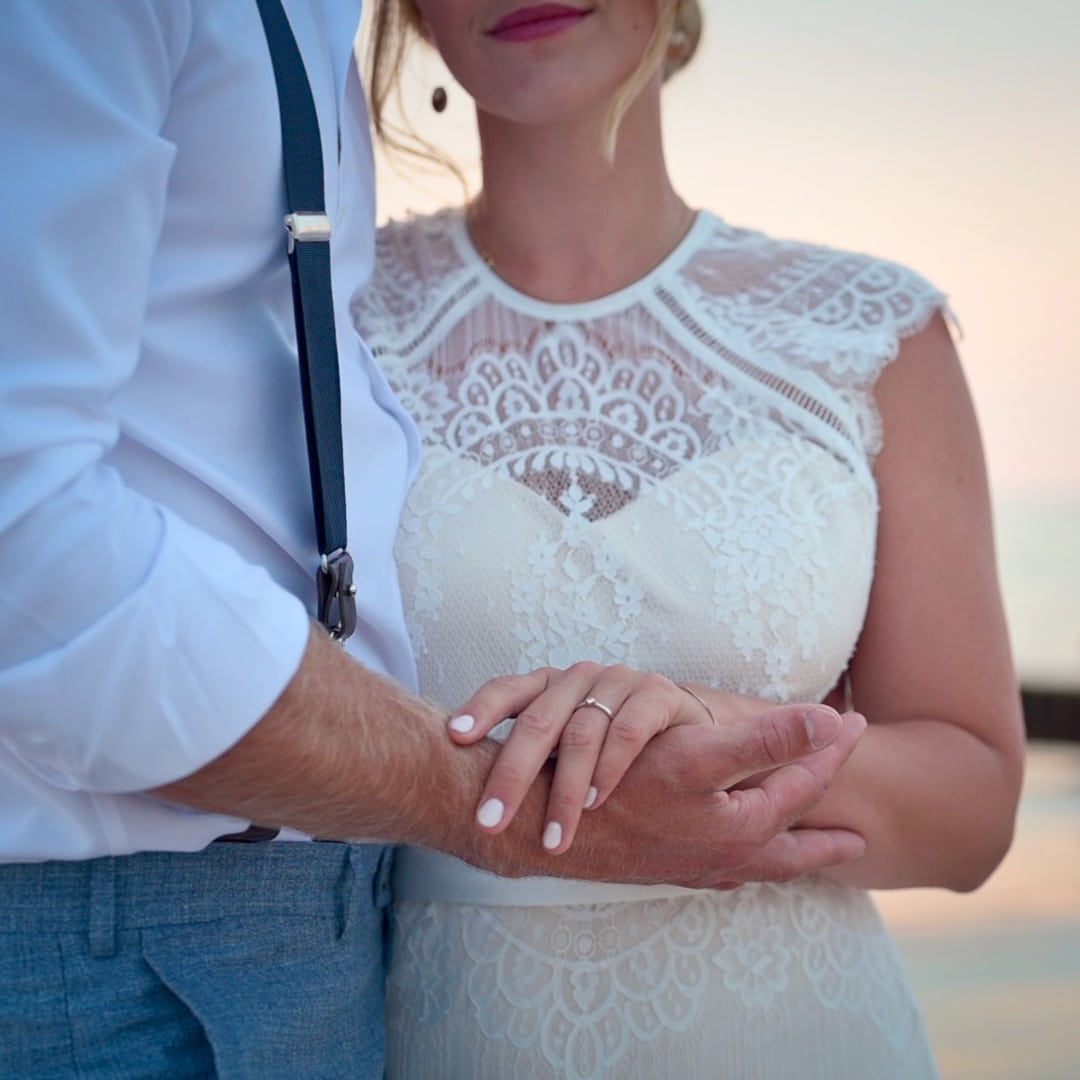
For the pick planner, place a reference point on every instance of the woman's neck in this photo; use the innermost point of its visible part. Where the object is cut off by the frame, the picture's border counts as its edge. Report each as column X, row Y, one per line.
column 560, row 222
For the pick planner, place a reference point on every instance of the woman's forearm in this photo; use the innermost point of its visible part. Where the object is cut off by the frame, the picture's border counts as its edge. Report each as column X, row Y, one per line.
column 934, row 803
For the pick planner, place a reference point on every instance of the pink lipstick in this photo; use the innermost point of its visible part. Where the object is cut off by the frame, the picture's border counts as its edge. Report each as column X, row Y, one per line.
column 537, row 21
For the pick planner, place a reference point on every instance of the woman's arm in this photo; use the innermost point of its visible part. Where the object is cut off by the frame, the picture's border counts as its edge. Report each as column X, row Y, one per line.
column 934, row 783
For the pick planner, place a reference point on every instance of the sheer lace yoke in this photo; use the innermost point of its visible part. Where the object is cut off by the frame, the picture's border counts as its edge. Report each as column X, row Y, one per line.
column 677, row 475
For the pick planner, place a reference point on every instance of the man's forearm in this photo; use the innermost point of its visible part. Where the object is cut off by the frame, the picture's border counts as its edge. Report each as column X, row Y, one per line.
column 346, row 753
column 343, row 753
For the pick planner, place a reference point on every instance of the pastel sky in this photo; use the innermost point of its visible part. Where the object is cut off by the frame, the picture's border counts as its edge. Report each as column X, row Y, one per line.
column 941, row 133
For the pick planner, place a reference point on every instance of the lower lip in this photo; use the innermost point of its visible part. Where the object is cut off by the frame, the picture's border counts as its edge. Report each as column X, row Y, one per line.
column 541, row 28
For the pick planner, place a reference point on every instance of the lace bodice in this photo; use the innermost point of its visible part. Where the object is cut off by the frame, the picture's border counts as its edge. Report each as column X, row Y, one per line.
column 676, row 476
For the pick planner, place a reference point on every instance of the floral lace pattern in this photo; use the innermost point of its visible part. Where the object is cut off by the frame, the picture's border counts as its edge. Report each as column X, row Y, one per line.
column 593, row 991
column 839, row 315
column 558, row 584
column 676, row 477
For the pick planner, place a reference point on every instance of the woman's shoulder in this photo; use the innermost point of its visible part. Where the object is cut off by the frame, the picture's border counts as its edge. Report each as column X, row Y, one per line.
column 823, row 318
column 418, row 242
column 777, row 279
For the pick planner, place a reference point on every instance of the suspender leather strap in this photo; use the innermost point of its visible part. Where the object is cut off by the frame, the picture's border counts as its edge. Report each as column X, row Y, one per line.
column 308, row 247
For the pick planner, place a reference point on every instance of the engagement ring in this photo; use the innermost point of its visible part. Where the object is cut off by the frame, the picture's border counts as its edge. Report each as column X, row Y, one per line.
column 596, row 705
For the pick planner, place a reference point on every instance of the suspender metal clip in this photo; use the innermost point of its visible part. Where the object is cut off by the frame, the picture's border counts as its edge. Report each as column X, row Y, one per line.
column 304, row 227
column 337, row 594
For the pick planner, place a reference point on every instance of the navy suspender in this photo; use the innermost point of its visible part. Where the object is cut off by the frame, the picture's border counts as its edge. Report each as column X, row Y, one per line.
column 313, row 306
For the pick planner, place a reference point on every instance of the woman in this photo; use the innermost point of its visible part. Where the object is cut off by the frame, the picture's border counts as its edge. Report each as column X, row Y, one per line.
column 745, row 465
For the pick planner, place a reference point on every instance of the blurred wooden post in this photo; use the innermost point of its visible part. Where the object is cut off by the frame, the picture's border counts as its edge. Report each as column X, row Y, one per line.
column 1052, row 714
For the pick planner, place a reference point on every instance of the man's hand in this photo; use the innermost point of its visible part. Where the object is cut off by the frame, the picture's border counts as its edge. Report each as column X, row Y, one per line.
column 678, row 817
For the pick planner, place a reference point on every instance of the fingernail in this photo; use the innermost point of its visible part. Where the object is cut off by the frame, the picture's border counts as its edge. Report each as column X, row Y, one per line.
column 552, row 835
column 822, row 725
column 490, row 813
column 590, row 797
column 462, row 724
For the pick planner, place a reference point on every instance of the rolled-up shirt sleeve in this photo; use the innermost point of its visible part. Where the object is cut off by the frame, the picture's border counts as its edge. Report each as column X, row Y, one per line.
column 134, row 646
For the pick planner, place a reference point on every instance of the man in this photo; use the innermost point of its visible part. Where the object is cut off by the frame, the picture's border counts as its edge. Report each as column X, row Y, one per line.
column 161, row 685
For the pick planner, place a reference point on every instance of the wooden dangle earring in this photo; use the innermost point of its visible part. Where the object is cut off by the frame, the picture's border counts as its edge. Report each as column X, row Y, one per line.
column 438, row 99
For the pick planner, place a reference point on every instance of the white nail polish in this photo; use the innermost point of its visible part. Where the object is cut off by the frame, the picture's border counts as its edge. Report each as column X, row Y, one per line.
column 552, row 835
column 590, row 797
column 462, row 724
column 491, row 813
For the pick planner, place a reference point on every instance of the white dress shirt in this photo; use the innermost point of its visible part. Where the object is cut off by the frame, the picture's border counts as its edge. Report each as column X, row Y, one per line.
column 157, row 543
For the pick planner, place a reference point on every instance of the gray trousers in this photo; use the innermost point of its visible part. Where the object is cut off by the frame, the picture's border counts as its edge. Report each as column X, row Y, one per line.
column 240, row 961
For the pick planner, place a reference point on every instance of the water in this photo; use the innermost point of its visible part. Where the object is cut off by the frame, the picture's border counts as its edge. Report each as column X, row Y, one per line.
column 1039, row 561
column 998, row 971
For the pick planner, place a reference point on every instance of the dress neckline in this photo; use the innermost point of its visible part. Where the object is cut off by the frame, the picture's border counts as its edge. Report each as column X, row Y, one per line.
column 609, row 303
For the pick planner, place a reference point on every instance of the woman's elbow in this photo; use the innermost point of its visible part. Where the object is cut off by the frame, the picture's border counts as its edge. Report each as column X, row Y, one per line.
column 992, row 832
column 973, row 870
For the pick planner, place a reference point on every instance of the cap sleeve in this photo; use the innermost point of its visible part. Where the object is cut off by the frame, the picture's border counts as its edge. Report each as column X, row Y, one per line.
column 835, row 317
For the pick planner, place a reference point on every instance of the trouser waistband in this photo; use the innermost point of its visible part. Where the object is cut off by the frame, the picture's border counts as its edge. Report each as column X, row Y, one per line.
column 163, row 888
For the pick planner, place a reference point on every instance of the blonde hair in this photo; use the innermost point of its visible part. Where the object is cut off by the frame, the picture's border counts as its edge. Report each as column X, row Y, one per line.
column 396, row 22
column 393, row 25
column 651, row 59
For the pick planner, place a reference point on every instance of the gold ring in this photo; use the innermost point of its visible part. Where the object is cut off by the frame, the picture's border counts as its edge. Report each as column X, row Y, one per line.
column 596, row 705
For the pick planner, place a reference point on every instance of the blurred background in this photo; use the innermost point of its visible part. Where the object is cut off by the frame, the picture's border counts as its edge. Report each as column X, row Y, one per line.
column 945, row 136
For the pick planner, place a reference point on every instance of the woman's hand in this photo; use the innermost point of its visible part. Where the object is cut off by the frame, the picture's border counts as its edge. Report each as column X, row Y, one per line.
column 598, row 720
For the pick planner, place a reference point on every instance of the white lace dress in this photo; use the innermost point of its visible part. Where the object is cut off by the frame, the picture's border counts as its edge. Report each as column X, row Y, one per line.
column 676, row 477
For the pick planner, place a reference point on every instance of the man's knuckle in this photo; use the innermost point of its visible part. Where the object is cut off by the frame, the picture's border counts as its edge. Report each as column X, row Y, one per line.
column 780, row 872
column 728, row 867
column 748, row 821
column 775, row 740
column 767, row 823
